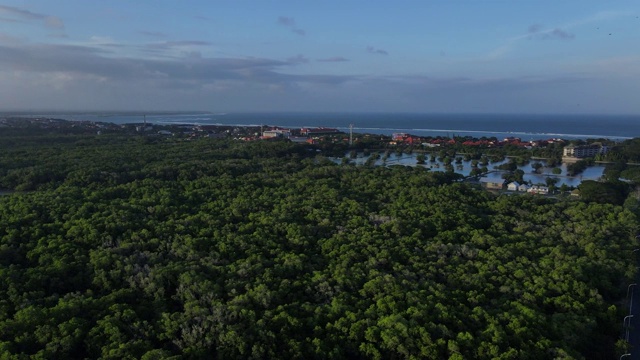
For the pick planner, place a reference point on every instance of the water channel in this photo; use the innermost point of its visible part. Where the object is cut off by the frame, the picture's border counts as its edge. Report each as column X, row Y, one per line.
column 464, row 168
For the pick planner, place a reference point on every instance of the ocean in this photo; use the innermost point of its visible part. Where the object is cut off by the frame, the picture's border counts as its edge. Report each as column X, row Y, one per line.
column 524, row 126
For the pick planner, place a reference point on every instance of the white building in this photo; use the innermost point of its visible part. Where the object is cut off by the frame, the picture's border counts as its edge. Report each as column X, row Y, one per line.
column 537, row 189
column 584, row 151
column 276, row 133
column 513, row 186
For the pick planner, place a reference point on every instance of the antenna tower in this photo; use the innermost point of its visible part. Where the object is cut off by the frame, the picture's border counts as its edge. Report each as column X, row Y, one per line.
column 350, row 134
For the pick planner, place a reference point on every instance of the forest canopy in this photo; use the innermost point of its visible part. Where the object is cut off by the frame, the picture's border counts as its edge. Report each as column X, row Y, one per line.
column 137, row 247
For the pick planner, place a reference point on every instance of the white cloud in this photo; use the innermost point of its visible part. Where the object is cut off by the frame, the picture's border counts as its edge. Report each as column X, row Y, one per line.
column 18, row 14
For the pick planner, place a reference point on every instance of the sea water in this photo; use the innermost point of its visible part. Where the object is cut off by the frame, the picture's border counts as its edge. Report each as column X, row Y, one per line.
column 524, row 126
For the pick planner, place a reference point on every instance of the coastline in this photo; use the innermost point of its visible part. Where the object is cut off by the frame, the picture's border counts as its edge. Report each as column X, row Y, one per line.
column 526, row 127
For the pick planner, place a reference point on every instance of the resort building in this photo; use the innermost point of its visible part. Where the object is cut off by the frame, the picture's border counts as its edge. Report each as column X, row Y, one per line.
column 276, row 133
column 584, row 151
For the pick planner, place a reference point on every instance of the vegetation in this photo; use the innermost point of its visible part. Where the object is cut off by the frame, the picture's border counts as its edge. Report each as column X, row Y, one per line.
column 142, row 247
column 578, row 167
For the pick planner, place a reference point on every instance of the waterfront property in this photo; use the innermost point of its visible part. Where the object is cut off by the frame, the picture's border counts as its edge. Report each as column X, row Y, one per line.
column 492, row 183
column 513, row 186
column 536, row 189
column 584, row 151
column 516, row 186
column 276, row 133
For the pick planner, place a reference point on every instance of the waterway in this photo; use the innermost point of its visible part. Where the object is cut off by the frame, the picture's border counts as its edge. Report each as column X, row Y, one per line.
column 464, row 168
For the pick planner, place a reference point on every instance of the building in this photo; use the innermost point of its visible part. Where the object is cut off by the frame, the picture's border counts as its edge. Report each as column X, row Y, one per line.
column 280, row 133
column 515, row 186
column 492, row 183
column 405, row 138
column 536, row 189
column 299, row 139
column 584, row 151
column 318, row 131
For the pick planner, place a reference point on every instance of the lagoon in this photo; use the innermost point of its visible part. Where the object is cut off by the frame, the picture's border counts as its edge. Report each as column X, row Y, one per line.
column 464, row 168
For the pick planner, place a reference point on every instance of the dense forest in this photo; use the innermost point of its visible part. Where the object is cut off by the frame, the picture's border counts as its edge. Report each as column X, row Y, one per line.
column 123, row 247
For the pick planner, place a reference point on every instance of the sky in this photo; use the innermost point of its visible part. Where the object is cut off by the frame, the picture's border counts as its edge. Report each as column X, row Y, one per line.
column 430, row 56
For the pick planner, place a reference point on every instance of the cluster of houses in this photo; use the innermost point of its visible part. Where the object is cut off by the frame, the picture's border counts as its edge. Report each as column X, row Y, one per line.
column 404, row 138
column 303, row 135
column 501, row 184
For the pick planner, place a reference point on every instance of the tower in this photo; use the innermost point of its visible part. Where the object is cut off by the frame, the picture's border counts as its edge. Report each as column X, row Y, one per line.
column 350, row 134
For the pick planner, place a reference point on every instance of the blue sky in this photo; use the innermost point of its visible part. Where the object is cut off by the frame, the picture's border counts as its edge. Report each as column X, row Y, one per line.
column 457, row 56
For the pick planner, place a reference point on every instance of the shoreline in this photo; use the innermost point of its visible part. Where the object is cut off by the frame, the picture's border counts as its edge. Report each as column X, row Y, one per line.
column 527, row 127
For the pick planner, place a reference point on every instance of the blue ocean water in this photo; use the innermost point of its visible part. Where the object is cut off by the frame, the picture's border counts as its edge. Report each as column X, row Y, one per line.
column 525, row 126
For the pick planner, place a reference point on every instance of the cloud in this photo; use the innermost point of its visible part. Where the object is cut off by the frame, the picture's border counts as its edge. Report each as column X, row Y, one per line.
column 372, row 50
column 333, row 59
column 7, row 20
column 26, row 14
column 6, row 38
column 166, row 45
column 534, row 32
column 96, row 62
column 559, row 34
column 202, row 18
column 298, row 59
column 88, row 77
column 286, row 21
column 290, row 23
column 53, row 22
column 299, row 31
column 534, row 28
column 50, row 22
column 59, row 35
column 155, row 34
column 192, row 54
column 537, row 31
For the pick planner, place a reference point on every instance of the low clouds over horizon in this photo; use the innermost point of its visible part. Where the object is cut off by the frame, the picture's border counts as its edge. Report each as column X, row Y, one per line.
column 333, row 59
column 182, row 84
column 389, row 59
